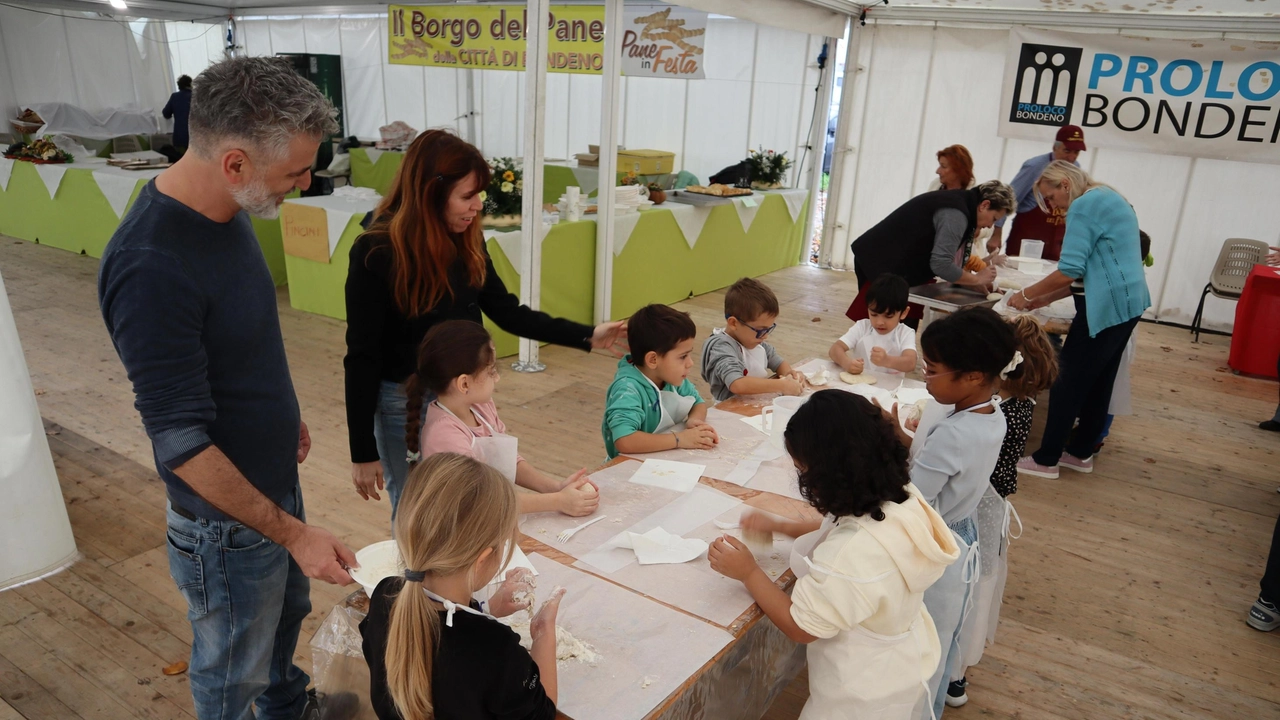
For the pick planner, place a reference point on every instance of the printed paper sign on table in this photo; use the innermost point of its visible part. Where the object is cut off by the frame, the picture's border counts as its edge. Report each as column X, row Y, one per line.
column 305, row 231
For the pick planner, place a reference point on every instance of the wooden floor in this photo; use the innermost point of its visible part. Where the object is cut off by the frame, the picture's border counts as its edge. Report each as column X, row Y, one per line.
column 1126, row 595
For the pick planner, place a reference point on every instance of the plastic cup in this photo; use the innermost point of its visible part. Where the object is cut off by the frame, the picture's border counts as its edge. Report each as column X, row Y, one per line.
column 1032, row 249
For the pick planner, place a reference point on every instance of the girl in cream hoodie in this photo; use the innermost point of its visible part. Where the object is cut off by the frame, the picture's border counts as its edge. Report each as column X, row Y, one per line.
column 862, row 571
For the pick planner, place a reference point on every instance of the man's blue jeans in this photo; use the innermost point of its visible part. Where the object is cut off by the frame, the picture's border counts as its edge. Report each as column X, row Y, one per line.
column 246, row 600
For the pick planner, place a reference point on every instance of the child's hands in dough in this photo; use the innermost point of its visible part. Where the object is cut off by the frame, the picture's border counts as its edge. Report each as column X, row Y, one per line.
column 544, row 622
column 854, row 366
column 698, row 434
column 514, row 594
column 879, row 356
column 579, row 496
column 790, row 385
column 731, row 558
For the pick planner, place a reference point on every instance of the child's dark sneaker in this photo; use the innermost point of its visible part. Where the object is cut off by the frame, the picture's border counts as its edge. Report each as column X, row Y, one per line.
column 957, row 694
column 1264, row 616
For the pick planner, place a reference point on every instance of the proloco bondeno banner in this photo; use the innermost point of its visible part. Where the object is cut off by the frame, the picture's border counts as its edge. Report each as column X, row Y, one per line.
column 657, row 41
column 1201, row 98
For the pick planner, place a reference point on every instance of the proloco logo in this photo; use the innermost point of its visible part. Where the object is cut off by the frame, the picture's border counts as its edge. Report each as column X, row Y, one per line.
column 1046, row 84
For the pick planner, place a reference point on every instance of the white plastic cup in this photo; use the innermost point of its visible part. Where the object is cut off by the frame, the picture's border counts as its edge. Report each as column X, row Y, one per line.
column 781, row 411
column 1032, row 249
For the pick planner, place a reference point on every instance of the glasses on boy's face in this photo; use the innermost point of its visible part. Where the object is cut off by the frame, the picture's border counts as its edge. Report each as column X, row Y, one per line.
column 760, row 332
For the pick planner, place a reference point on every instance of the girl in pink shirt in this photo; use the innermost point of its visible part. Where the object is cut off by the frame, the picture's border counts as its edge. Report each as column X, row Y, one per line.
column 457, row 364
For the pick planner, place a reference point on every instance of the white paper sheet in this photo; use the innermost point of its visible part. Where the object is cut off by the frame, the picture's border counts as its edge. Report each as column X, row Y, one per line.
column 337, row 221
column 737, row 443
column 693, row 586
column 690, row 219
column 6, row 171
column 747, row 213
column 630, row 678
column 624, row 502
column 687, row 512
column 52, row 176
column 116, row 189
column 659, row 547
column 669, row 474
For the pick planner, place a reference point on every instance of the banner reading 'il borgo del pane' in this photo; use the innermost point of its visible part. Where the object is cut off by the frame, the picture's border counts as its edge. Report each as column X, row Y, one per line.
column 657, row 41
column 1201, row 98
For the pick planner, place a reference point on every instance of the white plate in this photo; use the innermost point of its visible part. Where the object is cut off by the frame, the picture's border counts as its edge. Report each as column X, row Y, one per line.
column 377, row 561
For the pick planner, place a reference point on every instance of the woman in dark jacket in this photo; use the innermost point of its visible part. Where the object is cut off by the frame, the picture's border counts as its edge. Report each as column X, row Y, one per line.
column 423, row 261
column 924, row 238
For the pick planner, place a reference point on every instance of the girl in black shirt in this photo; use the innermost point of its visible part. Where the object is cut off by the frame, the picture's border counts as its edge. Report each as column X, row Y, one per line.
column 432, row 653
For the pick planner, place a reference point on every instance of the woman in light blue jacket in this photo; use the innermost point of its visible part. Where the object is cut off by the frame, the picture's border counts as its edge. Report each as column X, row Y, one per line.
column 1101, row 267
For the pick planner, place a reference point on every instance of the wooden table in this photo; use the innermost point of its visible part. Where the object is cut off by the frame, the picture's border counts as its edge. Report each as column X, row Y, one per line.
column 741, row 681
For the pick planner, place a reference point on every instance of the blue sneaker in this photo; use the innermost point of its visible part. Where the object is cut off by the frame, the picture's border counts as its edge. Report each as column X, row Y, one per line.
column 1264, row 615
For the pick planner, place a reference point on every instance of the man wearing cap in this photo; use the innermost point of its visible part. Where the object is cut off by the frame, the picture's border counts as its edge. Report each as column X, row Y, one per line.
column 1031, row 222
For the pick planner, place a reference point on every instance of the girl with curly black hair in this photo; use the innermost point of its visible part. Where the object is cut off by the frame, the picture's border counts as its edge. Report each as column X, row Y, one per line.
column 858, row 601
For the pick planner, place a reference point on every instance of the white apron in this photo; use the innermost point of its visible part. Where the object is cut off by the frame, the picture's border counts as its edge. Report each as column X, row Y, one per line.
column 674, row 406
column 1121, row 393
column 993, row 517
column 499, row 451
column 949, row 600
column 885, row 665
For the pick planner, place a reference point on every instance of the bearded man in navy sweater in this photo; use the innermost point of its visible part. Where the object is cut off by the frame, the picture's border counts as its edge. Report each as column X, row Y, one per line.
column 191, row 309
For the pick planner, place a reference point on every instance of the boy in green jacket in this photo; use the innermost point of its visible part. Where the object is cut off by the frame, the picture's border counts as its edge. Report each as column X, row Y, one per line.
column 651, row 394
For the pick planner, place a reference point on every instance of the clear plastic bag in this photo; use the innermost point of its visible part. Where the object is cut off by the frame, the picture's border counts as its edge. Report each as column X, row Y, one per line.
column 338, row 667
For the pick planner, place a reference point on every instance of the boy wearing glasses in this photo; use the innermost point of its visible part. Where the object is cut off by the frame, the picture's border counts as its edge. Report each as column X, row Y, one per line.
column 735, row 359
column 880, row 343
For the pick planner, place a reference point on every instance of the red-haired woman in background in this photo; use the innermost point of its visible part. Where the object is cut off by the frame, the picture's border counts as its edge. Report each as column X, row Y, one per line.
column 421, row 262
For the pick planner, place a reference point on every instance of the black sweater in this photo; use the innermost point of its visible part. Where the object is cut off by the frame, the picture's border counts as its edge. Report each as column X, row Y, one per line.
column 382, row 344
column 480, row 671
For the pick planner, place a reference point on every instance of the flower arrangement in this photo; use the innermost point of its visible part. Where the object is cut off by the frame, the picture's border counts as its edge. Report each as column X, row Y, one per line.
column 630, row 179
column 503, row 196
column 40, row 150
column 767, row 167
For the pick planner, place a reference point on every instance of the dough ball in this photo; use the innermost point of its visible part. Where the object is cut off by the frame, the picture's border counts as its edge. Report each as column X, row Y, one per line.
column 994, row 296
column 818, row 379
column 1008, row 284
column 852, row 379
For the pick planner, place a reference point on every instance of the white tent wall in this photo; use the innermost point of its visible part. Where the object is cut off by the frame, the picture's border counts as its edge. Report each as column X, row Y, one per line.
column 922, row 87
column 758, row 92
column 81, row 59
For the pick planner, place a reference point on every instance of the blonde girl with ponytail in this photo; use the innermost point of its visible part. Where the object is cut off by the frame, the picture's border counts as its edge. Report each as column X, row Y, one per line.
column 432, row 652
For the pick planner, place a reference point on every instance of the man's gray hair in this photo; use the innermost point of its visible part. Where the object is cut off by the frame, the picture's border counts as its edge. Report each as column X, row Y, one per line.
column 998, row 194
column 261, row 102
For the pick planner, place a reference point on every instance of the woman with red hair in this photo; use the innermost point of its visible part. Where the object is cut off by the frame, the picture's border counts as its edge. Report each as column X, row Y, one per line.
column 421, row 262
column 955, row 169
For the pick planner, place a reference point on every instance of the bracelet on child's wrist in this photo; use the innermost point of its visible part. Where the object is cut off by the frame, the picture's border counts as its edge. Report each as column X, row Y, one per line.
column 677, row 437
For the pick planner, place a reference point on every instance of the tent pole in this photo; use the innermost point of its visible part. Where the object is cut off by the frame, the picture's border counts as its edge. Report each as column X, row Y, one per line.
column 818, row 143
column 610, row 92
column 535, row 129
column 841, row 147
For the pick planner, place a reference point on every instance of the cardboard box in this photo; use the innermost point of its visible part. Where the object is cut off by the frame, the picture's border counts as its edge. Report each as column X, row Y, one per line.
column 587, row 159
column 646, row 162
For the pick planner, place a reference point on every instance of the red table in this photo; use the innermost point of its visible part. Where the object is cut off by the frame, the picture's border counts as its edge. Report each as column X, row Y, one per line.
column 1255, row 341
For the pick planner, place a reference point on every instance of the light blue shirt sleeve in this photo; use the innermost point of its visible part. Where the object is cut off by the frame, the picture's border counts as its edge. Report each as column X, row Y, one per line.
column 1080, row 238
